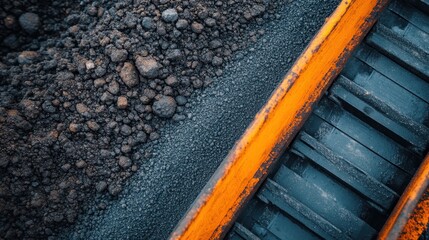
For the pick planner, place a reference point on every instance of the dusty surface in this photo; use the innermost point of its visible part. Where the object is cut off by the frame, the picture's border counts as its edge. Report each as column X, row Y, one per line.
column 189, row 152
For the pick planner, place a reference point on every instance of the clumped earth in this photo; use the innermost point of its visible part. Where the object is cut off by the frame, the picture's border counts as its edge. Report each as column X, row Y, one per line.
column 84, row 84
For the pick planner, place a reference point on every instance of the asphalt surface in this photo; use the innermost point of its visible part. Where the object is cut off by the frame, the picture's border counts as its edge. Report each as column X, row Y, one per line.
column 189, row 151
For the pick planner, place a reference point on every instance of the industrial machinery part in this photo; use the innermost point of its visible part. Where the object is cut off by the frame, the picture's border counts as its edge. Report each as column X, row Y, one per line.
column 332, row 162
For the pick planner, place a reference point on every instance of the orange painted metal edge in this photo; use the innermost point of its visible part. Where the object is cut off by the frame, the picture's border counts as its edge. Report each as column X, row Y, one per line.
column 277, row 123
column 418, row 221
column 410, row 215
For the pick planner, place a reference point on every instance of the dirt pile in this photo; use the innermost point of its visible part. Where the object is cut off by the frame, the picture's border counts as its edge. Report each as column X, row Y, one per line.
column 84, row 85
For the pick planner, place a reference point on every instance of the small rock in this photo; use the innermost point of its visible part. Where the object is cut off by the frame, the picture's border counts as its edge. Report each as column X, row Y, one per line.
column 197, row 27
column 113, row 87
column 118, row 55
column 48, row 107
column 124, row 162
column 14, row 117
column 89, row 65
column 37, row 200
column 130, row 20
column 160, row 29
column 154, row 136
column 207, row 57
column 82, row 109
column 81, row 164
column 101, row 186
column 126, row 148
column 66, row 167
column 181, row 100
column 64, row 75
column 122, row 102
column 10, row 21
column 106, row 97
column 210, row 22
column 182, row 24
column 71, row 197
column 148, row 66
column 171, row 81
column 141, row 137
column 149, row 93
column 217, row 61
column 100, row 71
column 92, row 10
column 30, row 22
column 126, row 130
column 203, row 13
column 148, row 23
column 114, row 189
column 93, row 125
column 170, row 15
column 99, row 82
column 215, row 44
column 174, row 54
column 74, row 127
column 129, row 75
column 48, row 65
column 26, row 57
column 31, row 109
column 165, row 107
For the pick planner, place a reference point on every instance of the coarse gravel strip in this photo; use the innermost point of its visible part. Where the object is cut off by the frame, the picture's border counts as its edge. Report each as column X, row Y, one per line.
column 188, row 152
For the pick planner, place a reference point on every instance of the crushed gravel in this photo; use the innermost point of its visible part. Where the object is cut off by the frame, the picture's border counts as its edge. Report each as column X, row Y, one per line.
column 189, row 151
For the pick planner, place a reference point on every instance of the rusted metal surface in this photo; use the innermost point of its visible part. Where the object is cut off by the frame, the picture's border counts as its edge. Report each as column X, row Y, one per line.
column 411, row 214
column 277, row 123
column 418, row 221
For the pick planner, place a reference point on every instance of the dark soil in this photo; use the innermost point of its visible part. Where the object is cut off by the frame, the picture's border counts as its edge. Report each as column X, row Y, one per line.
column 188, row 152
column 83, row 85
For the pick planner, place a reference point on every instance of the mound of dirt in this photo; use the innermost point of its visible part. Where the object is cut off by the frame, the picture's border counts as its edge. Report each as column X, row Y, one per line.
column 82, row 85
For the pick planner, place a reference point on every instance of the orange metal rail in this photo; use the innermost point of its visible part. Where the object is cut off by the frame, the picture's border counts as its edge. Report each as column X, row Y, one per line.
column 410, row 217
column 276, row 124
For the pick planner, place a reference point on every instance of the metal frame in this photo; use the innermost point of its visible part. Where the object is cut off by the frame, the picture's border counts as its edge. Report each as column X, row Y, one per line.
column 275, row 126
column 411, row 214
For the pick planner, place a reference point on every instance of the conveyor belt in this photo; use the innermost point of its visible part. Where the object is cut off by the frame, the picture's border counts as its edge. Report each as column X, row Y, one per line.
column 347, row 168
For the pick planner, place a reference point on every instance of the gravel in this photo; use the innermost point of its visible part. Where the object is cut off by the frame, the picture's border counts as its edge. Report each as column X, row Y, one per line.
column 189, row 151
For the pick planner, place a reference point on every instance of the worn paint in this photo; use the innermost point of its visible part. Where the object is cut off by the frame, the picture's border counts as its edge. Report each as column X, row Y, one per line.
column 418, row 221
column 274, row 127
column 410, row 217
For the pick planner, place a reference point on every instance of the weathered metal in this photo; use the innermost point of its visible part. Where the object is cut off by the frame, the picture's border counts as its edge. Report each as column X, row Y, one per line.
column 274, row 127
column 411, row 214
